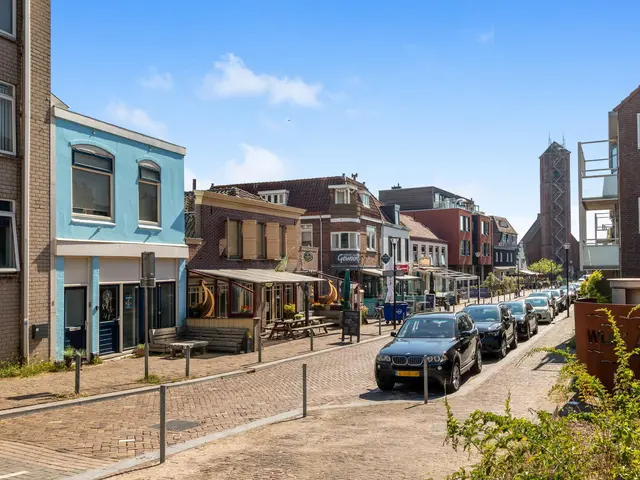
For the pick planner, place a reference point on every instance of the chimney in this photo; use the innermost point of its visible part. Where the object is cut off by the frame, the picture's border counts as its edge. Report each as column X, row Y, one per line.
column 194, row 184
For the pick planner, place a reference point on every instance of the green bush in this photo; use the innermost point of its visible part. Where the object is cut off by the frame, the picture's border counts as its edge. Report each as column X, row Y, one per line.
column 601, row 442
column 596, row 287
column 289, row 310
column 15, row 369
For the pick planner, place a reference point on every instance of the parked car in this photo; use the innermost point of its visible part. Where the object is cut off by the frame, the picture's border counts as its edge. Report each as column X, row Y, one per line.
column 573, row 292
column 561, row 299
column 549, row 296
column 541, row 308
column 497, row 327
column 449, row 340
column 526, row 319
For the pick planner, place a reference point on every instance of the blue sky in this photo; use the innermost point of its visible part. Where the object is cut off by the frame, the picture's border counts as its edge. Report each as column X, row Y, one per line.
column 459, row 94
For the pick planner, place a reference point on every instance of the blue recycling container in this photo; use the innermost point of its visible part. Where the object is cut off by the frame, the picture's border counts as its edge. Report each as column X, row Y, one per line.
column 401, row 312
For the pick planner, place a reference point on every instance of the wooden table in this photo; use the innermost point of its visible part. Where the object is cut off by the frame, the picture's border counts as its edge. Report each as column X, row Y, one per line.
column 289, row 327
column 183, row 345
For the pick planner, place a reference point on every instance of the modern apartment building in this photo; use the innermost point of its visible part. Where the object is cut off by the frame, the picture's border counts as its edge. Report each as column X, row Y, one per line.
column 25, row 169
column 609, row 193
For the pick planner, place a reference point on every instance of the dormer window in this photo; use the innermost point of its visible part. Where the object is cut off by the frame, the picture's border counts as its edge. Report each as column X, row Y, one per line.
column 366, row 200
column 342, row 196
column 279, row 197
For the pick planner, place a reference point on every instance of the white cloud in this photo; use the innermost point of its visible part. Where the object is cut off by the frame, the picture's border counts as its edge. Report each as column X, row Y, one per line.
column 136, row 118
column 157, row 80
column 258, row 165
column 203, row 182
column 487, row 37
column 232, row 78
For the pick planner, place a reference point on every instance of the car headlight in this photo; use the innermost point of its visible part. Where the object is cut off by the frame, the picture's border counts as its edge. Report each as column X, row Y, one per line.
column 494, row 333
column 383, row 358
column 436, row 358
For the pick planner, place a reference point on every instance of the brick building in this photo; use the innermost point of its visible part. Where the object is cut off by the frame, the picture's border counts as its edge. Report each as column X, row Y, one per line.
column 608, row 193
column 25, row 260
column 505, row 246
column 482, row 251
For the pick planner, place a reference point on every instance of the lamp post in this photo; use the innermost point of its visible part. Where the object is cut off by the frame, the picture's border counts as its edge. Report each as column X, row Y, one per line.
column 394, row 241
column 518, row 276
column 566, row 270
column 478, row 258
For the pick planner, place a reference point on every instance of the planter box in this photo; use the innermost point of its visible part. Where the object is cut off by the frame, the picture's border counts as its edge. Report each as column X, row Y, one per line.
column 594, row 337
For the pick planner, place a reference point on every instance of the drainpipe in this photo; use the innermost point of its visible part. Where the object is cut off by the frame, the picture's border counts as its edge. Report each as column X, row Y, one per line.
column 26, row 170
column 321, row 250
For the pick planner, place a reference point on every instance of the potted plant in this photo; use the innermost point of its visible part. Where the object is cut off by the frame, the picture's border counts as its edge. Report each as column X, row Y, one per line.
column 289, row 310
column 68, row 355
column 140, row 350
column 364, row 311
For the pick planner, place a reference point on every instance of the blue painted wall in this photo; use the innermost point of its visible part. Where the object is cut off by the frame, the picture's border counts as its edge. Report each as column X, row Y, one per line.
column 127, row 154
column 94, row 312
column 59, row 307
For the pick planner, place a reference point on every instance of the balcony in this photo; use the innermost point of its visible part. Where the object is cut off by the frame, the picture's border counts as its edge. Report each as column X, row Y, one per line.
column 600, row 255
column 598, row 174
column 462, row 203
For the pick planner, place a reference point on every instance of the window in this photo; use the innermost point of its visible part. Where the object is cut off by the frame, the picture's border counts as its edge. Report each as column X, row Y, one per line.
column 242, row 298
column 342, row 196
column 307, row 234
column 345, row 241
column 7, row 117
column 148, row 194
column 92, row 177
column 485, row 228
column 283, row 241
column 465, row 223
column 279, row 197
column 485, row 250
column 372, row 239
column 436, row 257
column 465, row 248
column 8, row 17
column 443, row 257
column 8, row 237
column 234, row 239
column 261, row 240
column 423, row 250
column 415, row 253
column 365, row 200
column 431, row 257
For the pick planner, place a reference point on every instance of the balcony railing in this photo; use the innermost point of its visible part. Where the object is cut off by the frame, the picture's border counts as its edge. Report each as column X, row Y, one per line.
column 598, row 173
column 600, row 254
column 451, row 203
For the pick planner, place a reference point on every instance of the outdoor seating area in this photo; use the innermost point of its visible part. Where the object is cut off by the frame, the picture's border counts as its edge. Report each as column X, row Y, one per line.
column 179, row 339
column 289, row 328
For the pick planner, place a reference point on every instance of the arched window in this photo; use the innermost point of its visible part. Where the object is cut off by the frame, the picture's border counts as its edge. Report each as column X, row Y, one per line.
column 92, row 182
column 148, row 193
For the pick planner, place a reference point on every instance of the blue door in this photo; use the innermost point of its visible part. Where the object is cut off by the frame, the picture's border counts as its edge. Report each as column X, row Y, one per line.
column 75, row 317
column 109, row 319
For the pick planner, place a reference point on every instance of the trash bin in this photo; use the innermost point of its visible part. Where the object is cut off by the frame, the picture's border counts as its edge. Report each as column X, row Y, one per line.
column 401, row 311
column 388, row 311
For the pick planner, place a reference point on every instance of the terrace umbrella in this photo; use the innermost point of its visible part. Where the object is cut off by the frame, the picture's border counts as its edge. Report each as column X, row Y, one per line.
column 346, row 290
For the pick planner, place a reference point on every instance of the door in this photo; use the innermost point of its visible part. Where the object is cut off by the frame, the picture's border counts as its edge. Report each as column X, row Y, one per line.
column 109, row 319
column 130, row 316
column 166, row 305
column 75, row 317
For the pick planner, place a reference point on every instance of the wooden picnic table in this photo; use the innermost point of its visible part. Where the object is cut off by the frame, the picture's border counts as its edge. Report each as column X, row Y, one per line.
column 289, row 327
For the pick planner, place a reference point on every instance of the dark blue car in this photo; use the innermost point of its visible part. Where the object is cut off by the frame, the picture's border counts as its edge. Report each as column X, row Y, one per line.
column 450, row 341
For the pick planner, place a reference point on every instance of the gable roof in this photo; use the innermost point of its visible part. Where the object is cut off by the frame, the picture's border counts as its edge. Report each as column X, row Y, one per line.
column 235, row 192
column 418, row 230
column 533, row 229
column 627, row 99
column 508, row 229
column 310, row 194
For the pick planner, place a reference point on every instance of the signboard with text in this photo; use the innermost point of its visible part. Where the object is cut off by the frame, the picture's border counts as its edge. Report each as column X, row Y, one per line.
column 346, row 259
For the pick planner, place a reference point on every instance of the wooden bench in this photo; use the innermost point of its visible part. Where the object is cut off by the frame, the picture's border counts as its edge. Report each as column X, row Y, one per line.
column 219, row 339
column 171, row 340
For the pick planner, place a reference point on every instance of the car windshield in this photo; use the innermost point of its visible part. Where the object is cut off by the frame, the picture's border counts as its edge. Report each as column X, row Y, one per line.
column 540, row 294
column 432, row 326
column 517, row 308
column 537, row 302
column 481, row 313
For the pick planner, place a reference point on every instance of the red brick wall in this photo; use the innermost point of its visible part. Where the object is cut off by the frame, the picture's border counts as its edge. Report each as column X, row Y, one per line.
column 629, row 178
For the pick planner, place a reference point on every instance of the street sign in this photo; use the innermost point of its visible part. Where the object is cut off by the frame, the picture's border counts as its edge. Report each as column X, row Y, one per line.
column 389, row 273
column 385, row 258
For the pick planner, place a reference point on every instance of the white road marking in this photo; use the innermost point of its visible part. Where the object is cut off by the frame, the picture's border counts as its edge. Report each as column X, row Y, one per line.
column 16, row 474
column 127, row 440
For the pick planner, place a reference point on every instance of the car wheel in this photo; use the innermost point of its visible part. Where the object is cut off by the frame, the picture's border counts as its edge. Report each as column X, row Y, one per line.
column 455, row 379
column 385, row 384
column 503, row 348
column 527, row 335
column 477, row 366
column 535, row 330
column 514, row 343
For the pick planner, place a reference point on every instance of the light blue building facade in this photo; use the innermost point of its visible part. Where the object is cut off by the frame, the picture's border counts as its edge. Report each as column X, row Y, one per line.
column 117, row 193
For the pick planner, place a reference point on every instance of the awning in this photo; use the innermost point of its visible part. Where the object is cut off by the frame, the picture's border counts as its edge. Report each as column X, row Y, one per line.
column 376, row 272
column 450, row 274
column 256, row 275
column 524, row 271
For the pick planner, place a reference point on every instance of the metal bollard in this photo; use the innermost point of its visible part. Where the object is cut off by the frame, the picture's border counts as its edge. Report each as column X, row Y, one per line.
column 304, row 390
column 78, row 365
column 259, row 348
column 311, row 338
column 188, row 359
column 379, row 326
column 425, row 374
column 163, row 422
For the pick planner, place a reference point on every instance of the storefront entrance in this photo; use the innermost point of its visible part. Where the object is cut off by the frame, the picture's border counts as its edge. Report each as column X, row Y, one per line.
column 75, row 317
column 109, row 319
column 130, row 317
column 273, row 306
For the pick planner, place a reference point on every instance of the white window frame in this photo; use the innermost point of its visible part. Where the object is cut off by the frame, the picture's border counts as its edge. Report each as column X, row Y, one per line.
column 337, row 235
column 372, row 238
column 12, row 216
column 366, row 200
column 277, row 197
column 13, row 22
column 345, row 192
column 97, row 151
column 151, row 166
column 12, row 99
column 304, row 227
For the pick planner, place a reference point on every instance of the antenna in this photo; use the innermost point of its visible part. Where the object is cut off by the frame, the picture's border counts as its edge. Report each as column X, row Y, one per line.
column 563, row 140
column 549, row 138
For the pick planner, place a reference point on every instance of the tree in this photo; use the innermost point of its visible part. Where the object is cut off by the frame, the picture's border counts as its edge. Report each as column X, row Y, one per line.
column 546, row 267
column 492, row 283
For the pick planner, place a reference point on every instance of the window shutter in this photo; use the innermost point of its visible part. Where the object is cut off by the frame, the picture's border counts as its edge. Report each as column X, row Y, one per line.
column 273, row 241
column 249, row 241
column 292, row 241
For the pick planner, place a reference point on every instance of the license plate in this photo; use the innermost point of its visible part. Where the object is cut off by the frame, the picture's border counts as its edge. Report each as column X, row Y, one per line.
column 408, row 373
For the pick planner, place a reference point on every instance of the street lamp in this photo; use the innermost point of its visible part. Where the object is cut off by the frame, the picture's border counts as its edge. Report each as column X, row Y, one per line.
column 394, row 242
column 566, row 270
column 478, row 257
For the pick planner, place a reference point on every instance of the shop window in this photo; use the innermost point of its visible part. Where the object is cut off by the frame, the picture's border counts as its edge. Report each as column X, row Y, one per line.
column 8, row 237
column 372, row 238
column 148, row 193
column 242, row 298
column 261, row 240
column 307, row 234
column 345, row 241
column 7, row 114
column 223, row 300
column 92, row 184
column 234, row 239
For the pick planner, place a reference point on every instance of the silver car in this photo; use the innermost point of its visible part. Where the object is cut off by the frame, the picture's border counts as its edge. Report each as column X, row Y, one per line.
column 541, row 308
column 550, row 299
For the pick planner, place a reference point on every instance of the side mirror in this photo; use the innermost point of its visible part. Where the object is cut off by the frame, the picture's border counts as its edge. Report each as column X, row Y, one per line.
column 393, row 334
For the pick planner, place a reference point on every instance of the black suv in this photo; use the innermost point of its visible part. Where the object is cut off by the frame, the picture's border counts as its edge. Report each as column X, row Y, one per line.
column 450, row 342
column 496, row 325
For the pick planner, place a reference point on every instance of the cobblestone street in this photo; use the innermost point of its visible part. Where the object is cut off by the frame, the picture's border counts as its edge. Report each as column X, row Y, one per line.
column 101, row 433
